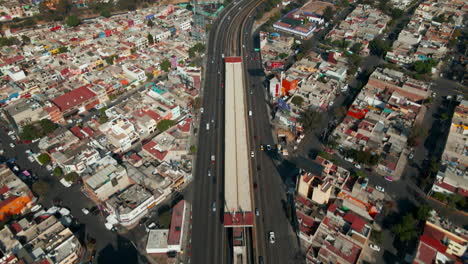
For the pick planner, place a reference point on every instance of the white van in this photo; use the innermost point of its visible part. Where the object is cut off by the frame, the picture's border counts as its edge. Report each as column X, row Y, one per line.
column 250, row 112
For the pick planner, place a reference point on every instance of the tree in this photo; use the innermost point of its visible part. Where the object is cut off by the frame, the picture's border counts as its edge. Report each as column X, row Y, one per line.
column 63, row 49
column 378, row 47
column 164, row 125
column 106, row 13
column 197, row 103
column 72, row 21
column 47, row 126
column 423, row 212
column 165, row 65
column 310, row 119
column 328, row 13
column 149, row 75
column 44, row 158
column 406, row 229
column 25, row 39
column 282, row 55
column 297, row 100
column 417, row 133
column 29, row 132
column 423, row 67
column 4, row 41
column 40, row 187
column 193, row 149
column 150, row 23
column 57, row 172
column 72, row 177
column 356, row 47
column 150, row 39
column 110, row 60
column 189, row 7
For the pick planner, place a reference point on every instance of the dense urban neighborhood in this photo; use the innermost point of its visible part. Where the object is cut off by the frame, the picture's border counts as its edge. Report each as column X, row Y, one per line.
column 233, row 131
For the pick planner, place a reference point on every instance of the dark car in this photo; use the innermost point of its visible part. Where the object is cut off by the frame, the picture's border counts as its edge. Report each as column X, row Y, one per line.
column 260, row 260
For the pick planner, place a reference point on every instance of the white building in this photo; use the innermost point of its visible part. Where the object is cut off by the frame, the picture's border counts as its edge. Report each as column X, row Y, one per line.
column 107, row 180
column 134, row 72
column 131, row 205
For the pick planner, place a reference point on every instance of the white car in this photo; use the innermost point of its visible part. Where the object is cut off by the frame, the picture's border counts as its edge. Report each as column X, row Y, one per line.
column 31, row 159
column 357, row 166
column 201, row 110
column 209, row 173
column 207, row 126
column 250, row 113
column 12, row 145
column 374, row 247
column 214, row 206
column 252, row 154
column 49, row 168
column 271, row 237
column 85, row 211
column 380, row 188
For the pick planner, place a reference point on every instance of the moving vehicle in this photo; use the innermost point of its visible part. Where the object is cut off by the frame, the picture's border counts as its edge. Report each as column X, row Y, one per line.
column 209, row 173
column 271, row 237
column 268, row 147
column 252, row 154
column 250, row 112
column 374, row 247
column 212, row 158
column 257, row 212
column 213, row 206
column 207, row 126
column 261, row 147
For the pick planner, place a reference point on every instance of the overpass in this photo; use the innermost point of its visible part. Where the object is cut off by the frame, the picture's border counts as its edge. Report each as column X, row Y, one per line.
column 237, row 193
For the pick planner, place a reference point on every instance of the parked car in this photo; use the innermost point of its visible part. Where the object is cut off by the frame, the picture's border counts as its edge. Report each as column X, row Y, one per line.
column 257, row 212
column 380, row 188
column 85, row 211
column 12, row 145
column 268, row 147
column 31, row 159
column 388, row 178
column 374, row 247
column 261, row 147
column 357, row 166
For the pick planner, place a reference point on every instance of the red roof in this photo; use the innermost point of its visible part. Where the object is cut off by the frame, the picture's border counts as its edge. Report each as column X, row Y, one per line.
column 184, row 126
column 356, row 222
column 233, row 59
column 446, row 186
column 238, row 219
column 73, row 98
column 150, row 148
column 4, row 189
column 77, row 132
column 16, row 227
column 462, row 192
column 176, row 223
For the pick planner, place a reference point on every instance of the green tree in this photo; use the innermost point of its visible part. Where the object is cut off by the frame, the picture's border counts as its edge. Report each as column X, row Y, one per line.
column 150, row 23
column 40, row 187
column 423, row 212
column 103, row 119
column 150, row 76
column 44, row 158
column 63, row 49
column 4, row 41
column 310, row 119
column 25, row 39
column 356, row 47
column 150, row 39
column 29, row 132
column 193, row 149
column 165, row 65
column 72, row 177
column 72, row 21
column 417, row 134
column 106, row 13
column 57, row 172
column 164, row 125
column 297, row 100
column 328, row 13
column 197, row 102
column 378, row 47
column 282, row 55
column 406, row 229
column 47, row 126
column 423, row 67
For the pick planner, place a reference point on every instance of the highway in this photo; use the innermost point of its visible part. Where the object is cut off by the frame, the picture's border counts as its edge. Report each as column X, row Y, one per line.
column 209, row 238
column 231, row 36
column 270, row 193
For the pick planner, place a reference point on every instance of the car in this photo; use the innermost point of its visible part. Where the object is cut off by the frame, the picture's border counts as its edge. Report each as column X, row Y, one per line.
column 209, row 173
column 222, row 55
column 250, row 112
column 212, row 158
column 268, row 147
column 260, row 260
column 31, row 159
column 261, row 147
column 207, row 126
column 257, row 212
column 13, row 137
column 251, row 91
column 388, row 178
column 411, row 156
column 212, row 121
column 201, row 110
column 28, row 151
column 85, row 211
column 374, row 247
column 213, row 206
column 357, row 166
column 12, row 145
column 252, row 154
column 271, row 237
column 380, row 188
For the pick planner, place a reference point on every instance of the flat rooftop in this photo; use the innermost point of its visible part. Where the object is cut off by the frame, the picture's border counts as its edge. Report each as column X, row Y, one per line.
column 237, row 176
column 129, row 199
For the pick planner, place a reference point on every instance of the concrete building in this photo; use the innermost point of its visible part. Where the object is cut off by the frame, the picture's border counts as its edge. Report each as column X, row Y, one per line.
column 439, row 245
column 120, row 133
column 25, row 111
column 164, row 240
column 15, row 195
column 130, row 205
column 314, row 188
column 134, row 72
column 105, row 181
